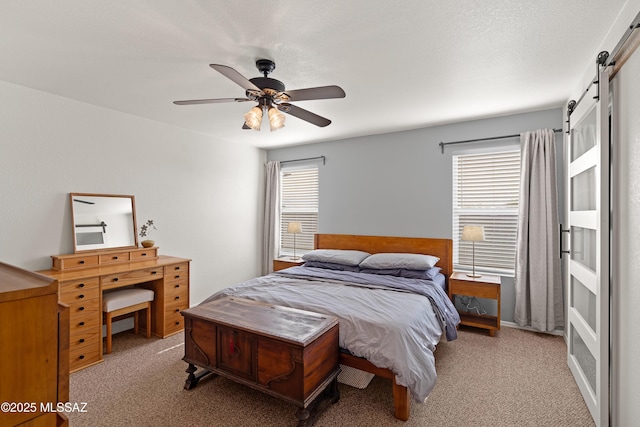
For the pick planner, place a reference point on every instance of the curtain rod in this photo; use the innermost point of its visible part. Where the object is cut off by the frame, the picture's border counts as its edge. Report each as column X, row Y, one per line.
column 308, row 158
column 442, row 144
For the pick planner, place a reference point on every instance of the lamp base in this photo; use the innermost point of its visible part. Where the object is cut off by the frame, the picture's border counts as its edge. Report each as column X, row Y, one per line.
column 475, row 276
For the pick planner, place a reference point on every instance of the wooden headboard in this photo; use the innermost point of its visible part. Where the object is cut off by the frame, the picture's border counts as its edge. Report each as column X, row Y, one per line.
column 442, row 248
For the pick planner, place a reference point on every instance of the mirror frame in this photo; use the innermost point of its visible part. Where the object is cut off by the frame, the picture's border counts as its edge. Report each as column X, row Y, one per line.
column 73, row 221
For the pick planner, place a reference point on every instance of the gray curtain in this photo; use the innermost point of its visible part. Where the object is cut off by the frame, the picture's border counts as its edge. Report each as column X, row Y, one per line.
column 271, row 233
column 538, row 281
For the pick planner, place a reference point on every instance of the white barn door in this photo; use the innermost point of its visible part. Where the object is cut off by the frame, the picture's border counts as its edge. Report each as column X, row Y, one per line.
column 587, row 164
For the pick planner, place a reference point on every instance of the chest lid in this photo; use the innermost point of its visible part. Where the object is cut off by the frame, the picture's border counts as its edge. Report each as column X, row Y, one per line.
column 287, row 324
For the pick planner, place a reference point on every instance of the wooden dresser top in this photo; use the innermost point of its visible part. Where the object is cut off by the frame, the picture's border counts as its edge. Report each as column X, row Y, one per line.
column 287, row 324
column 81, row 273
column 16, row 283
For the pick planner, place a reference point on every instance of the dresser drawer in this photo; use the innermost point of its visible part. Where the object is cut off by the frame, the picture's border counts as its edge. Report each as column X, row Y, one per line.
column 75, row 262
column 83, row 355
column 176, row 291
column 88, row 308
column 83, row 336
column 173, row 320
column 131, row 277
column 176, row 272
column 173, row 324
column 78, row 290
column 115, row 257
column 140, row 254
column 84, row 320
column 175, row 307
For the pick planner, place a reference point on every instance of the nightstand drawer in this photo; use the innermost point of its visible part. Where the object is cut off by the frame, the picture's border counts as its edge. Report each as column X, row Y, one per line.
column 282, row 263
column 479, row 290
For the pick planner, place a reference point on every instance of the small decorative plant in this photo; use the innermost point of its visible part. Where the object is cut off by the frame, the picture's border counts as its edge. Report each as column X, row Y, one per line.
column 145, row 232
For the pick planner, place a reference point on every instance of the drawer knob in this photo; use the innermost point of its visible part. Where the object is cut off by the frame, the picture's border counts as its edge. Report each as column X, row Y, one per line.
column 143, row 254
column 177, row 277
column 81, row 308
column 177, row 310
column 177, row 323
column 115, row 279
column 81, row 357
column 177, row 268
column 81, row 261
column 81, row 296
column 177, row 286
column 115, row 257
column 81, row 285
column 81, row 323
column 81, row 339
column 154, row 272
column 177, row 297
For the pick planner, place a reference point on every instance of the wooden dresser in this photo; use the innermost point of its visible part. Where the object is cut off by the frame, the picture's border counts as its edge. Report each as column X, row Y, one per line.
column 82, row 277
column 284, row 352
column 34, row 349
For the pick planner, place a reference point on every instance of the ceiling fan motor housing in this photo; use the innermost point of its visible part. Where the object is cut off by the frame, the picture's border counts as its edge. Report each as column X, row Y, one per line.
column 268, row 83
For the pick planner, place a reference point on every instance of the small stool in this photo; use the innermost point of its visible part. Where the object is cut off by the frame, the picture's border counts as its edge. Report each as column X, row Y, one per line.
column 125, row 301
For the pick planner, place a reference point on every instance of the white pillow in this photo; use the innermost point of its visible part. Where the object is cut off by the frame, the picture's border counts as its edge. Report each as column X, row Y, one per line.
column 336, row 256
column 399, row 260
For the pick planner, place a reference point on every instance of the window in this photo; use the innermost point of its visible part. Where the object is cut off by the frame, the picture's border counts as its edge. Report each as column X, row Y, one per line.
column 486, row 191
column 299, row 203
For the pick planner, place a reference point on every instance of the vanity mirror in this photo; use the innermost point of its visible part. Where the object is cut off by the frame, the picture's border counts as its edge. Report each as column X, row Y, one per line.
column 103, row 221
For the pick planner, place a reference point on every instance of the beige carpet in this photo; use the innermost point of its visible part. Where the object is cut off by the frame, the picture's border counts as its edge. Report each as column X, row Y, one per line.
column 517, row 378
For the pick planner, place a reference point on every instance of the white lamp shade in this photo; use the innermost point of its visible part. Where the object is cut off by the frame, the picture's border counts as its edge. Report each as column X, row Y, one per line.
column 294, row 228
column 473, row 233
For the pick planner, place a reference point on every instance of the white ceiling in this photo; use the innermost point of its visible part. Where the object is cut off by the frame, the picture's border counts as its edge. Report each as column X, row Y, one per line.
column 403, row 65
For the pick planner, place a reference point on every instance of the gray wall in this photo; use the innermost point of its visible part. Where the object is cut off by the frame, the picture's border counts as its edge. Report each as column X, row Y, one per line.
column 399, row 184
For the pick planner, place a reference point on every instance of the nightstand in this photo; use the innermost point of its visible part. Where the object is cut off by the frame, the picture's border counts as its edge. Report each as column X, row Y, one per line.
column 286, row 262
column 486, row 286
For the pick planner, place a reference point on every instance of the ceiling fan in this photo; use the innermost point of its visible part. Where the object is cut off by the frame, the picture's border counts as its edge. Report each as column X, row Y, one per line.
column 271, row 96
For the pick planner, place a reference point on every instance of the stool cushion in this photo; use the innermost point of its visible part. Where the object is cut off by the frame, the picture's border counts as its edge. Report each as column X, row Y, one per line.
column 122, row 298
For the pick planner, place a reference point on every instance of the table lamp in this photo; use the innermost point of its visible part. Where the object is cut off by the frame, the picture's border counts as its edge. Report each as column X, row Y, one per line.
column 473, row 233
column 294, row 228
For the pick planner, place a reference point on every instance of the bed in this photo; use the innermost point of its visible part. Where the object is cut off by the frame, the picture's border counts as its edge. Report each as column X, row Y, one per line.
column 389, row 326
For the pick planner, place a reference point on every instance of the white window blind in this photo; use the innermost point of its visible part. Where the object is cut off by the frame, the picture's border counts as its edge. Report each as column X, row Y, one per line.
column 299, row 203
column 486, row 191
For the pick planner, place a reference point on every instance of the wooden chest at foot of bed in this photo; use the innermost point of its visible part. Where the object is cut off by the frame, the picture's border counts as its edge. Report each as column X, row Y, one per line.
column 288, row 353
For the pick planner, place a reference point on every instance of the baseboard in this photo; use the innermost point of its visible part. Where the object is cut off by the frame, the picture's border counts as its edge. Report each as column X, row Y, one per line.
column 514, row 325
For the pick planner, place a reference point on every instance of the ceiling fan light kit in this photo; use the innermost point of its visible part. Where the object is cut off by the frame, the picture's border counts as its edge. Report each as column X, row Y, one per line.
column 253, row 118
column 271, row 96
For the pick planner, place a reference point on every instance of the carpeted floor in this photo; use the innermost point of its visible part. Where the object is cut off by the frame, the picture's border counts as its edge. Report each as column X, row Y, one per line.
column 517, row 378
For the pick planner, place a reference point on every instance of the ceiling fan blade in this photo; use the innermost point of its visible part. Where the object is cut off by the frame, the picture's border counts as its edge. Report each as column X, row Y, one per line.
column 210, row 101
column 235, row 76
column 303, row 114
column 321, row 92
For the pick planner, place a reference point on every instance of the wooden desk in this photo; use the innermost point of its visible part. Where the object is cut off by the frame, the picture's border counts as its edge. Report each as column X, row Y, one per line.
column 284, row 352
column 485, row 286
column 82, row 278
